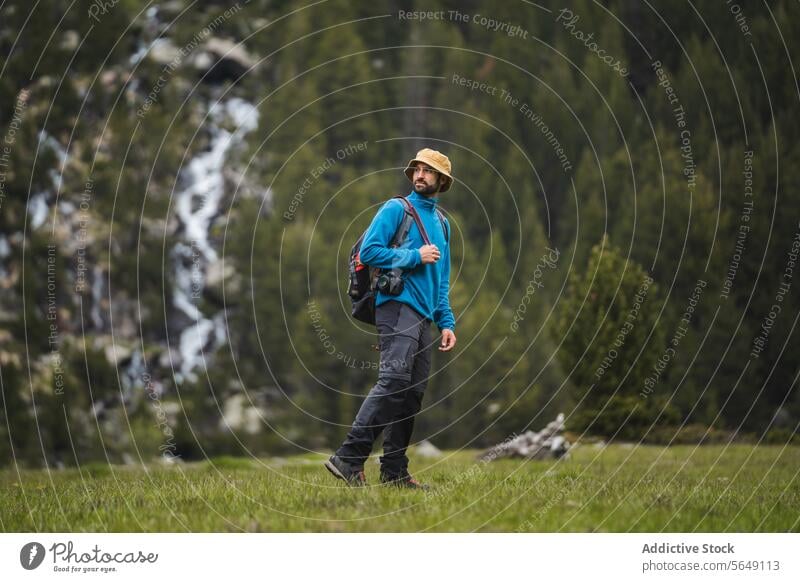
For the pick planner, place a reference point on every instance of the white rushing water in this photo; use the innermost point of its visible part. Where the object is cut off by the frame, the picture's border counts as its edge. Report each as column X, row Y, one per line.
column 196, row 205
column 97, row 296
column 132, row 376
column 5, row 252
column 38, row 208
column 151, row 26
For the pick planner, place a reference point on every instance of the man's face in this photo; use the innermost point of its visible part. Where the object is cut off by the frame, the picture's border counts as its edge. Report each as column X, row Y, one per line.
column 426, row 179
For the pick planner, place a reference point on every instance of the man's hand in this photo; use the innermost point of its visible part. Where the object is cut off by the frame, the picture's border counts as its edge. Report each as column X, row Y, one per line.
column 429, row 253
column 448, row 340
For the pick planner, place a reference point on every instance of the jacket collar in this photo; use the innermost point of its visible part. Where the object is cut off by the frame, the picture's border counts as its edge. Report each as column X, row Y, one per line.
column 423, row 201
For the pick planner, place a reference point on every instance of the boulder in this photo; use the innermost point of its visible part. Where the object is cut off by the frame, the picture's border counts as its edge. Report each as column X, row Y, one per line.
column 164, row 52
column 116, row 353
column 427, row 450
column 216, row 275
column 239, row 415
column 222, row 59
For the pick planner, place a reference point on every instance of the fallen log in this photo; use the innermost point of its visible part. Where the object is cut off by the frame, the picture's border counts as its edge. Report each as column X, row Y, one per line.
column 548, row 443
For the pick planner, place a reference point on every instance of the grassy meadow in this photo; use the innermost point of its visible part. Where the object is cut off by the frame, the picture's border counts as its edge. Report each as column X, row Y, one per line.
column 617, row 488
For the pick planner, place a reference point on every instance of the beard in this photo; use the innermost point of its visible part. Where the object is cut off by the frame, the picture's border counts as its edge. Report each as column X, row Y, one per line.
column 426, row 189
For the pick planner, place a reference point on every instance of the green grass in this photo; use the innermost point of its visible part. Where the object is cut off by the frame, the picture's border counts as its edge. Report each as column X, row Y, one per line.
column 620, row 488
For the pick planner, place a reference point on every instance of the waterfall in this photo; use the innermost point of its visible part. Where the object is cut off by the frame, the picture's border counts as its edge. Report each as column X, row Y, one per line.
column 196, row 205
column 5, row 252
column 133, row 374
column 151, row 28
column 38, row 208
column 96, row 313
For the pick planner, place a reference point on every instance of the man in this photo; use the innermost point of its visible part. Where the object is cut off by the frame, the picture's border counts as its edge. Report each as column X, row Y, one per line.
column 403, row 323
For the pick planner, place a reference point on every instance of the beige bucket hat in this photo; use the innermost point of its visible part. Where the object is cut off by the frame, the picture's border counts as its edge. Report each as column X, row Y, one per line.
column 436, row 160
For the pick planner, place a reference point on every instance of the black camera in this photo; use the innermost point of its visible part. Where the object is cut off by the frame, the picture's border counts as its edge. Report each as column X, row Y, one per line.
column 390, row 283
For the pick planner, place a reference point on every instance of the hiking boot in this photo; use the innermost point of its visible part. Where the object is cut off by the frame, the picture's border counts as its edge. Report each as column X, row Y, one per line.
column 405, row 481
column 353, row 476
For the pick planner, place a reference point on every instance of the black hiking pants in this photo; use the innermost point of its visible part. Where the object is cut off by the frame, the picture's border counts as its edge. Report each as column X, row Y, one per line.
column 393, row 402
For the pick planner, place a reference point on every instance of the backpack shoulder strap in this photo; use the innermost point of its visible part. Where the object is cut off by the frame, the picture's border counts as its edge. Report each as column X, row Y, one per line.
column 445, row 227
column 413, row 212
column 405, row 224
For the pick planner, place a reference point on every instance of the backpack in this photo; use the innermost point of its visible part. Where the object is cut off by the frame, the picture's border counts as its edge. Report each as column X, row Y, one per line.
column 362, row 278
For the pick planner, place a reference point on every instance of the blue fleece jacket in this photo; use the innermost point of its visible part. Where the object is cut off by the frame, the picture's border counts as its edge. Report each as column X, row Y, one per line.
column 427, row 287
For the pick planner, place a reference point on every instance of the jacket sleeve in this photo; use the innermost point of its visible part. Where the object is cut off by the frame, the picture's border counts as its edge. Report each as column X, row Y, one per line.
column 443, row 315
column 375, row 250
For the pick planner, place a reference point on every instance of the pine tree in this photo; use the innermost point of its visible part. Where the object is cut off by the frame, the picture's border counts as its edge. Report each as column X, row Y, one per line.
column 609, row 324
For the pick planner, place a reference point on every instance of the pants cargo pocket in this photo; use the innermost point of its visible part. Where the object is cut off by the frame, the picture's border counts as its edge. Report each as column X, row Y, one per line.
column 397, row 358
